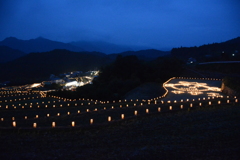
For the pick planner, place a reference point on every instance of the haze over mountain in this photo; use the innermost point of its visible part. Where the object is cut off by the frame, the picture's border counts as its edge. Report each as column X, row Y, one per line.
column 41, row 44
column 106, row 47
column 37, row 45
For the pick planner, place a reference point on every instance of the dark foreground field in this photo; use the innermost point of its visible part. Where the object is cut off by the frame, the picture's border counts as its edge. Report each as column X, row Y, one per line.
column 211, row 132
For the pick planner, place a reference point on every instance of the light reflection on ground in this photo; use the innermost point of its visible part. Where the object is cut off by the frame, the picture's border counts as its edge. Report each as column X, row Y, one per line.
column 187, row 88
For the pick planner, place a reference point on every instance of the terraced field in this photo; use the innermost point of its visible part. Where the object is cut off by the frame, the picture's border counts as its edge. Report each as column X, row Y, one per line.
column 36, row 126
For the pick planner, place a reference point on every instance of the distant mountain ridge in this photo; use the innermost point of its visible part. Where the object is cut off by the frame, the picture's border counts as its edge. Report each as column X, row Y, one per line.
column 8, row 54
column 37, row 45
column 101, row 46
column 41, row 44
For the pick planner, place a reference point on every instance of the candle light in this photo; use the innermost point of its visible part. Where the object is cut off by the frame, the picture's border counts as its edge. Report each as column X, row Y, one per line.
column 181, row 106
column 14, row 123
column 53, row 124
column 109, row 118
column 34, row 125
column 170, row 107
column 147, row 110
column 73, row 124
column 91, row 121
column 122, row 116
column 135, row 113
column 159, row 109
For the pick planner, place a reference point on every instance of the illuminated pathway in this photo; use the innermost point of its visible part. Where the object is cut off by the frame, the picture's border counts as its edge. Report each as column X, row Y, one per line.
column 192, row 89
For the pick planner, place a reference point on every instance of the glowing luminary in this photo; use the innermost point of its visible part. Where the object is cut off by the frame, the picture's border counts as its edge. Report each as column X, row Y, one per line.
column 191, row 105
column 170, row 107
column 209, row 102
column 159, row 109
column 14, row 123
column 109, row 118
column 53, row 124
column 236, row 100
column 68, row 113
column 78, row 111
column 200, row 104
column 135, row 113
column 87, row 110
column 13, row 118
column 73, row 124
column 34, row 125
column 120, row 106
column 58, row 114
column 181, row 106
column 147, row 110
column 228, row 101
column 2, row 119
column 91, row 121
column 219, row 102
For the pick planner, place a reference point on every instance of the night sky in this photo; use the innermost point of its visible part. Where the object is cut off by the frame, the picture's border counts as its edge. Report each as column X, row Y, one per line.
column 154, row 23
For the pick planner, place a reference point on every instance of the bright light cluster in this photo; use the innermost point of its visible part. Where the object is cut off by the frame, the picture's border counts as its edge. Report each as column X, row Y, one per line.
column 193, row 88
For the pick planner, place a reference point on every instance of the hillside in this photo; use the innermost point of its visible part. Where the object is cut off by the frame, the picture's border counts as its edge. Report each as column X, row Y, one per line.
column 8, row 54
column 37, row 45
column 101, row 46
column 148, row 54
column 210, row 52
column 39, row 66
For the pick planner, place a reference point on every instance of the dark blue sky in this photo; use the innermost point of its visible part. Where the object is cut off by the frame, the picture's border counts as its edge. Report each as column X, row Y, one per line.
column 154, row 23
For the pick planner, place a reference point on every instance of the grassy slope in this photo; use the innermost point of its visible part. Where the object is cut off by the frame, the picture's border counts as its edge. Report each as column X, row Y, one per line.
column 205, row 133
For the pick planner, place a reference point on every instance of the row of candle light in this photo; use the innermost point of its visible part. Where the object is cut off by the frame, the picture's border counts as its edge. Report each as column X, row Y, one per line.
column 109, row 117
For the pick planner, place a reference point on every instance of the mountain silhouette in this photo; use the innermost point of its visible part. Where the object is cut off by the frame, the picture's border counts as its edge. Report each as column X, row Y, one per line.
column 8, row 54
column 37, row 45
